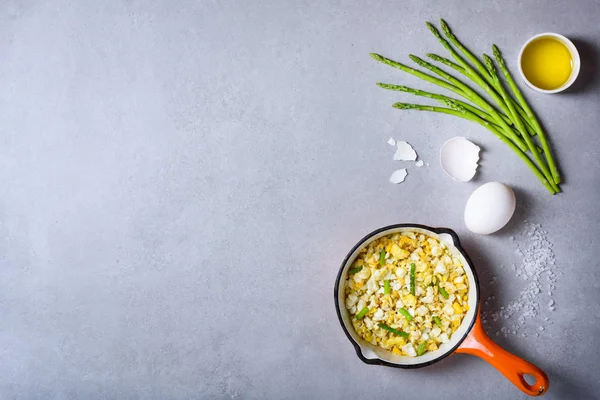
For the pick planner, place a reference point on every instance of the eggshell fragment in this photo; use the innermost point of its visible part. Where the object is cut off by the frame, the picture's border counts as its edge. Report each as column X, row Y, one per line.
column 458, row 158
column 489, row 208
column 404, row 152
column 398, row 176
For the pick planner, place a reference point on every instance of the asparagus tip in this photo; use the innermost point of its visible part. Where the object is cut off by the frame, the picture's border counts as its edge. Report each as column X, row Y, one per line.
column 497, row 54
column 433, row 29
column 403, row 106
column 453, row 105
column 488, row 61
column 416, row 59
column 433, row 56
column 445, row 27
column 393, row 87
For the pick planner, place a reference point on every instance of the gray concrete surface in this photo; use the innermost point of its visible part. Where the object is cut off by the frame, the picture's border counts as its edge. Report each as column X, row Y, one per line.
column 180, row 181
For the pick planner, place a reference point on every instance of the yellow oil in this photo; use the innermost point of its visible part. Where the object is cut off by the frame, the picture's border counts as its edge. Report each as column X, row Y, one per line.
column 547, row 63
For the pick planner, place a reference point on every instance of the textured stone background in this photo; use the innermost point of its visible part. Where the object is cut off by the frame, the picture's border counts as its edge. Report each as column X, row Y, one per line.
column 180, row 181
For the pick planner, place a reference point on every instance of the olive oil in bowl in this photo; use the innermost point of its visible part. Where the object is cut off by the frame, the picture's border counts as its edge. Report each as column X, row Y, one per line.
column 548, row 63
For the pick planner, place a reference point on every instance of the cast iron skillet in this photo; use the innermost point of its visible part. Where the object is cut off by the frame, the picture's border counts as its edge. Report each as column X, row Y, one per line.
column 469, row 338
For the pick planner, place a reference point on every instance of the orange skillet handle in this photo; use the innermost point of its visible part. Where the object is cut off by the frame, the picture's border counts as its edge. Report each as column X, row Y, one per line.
column 511, row 366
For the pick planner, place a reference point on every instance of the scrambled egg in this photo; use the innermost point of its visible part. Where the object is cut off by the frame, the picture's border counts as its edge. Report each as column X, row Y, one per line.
column 406, row 316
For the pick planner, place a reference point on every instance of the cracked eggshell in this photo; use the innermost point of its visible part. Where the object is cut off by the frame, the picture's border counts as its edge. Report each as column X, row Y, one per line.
column 404, row 151
column 489, row 208
column 458, row 158
column 398, row 176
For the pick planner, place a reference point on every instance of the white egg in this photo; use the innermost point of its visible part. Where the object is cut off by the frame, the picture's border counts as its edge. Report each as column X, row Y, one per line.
column 489, row 208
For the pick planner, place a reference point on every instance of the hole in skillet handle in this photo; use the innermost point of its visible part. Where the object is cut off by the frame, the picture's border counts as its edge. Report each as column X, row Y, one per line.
column 529, row 379
column 530, row 382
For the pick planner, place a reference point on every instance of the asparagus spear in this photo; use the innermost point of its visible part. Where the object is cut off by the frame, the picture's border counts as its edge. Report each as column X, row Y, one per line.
column 536, row 155
column 474, row 97
column 422, row 349
column 480, row 67
column 416, row 73
column 464, row 72
column 354, row 270
column 469, row 71
column 436, row 96
column 394, row 331
column 443, row 291
column 361, row 314
column 477, row 111
column 406, row 314
column 530, row 114
column 446, row 85
column 461, row 112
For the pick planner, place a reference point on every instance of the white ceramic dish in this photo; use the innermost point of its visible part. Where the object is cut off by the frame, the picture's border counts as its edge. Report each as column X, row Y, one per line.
column 574, row 55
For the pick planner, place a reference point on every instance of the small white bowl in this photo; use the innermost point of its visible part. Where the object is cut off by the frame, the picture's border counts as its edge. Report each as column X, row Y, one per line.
column 574, row 55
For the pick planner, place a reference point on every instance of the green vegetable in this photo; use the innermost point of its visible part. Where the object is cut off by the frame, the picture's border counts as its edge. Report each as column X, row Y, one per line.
column 361, row 314
column 386, row 286
column 354, row 270
column 406, row 314
column 412, row 278
column 382, row 258
column 394, row 331
column 530, row 114
column 482, row 114
column 461, row 112
column 487, row 84
column 513, row 121
column 437, row 321
column 464, row 72
column 475, row 98
column 443, row 292
column 422, row 349
column 519, row 123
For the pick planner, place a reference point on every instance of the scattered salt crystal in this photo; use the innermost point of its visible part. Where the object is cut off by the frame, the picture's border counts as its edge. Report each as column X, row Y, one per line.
column 541, row 328
column 419, row 163
column 539, row 272
column 512, row 238
column 392, row 142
